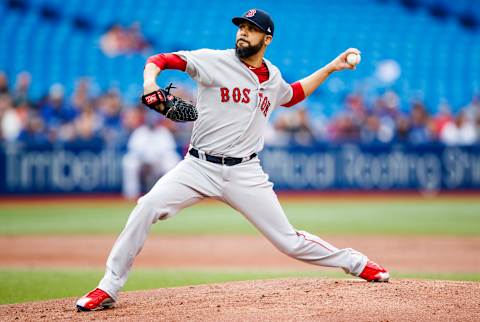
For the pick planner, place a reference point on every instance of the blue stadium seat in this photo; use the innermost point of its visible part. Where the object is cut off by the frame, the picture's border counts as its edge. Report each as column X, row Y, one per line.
column 438, row 57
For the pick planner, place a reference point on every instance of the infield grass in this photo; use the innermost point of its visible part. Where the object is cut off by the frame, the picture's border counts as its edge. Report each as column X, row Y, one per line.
column 439, row 216
column 23, row 285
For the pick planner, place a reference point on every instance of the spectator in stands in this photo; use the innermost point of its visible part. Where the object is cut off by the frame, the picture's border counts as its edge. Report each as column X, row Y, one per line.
column 461, row 131
column 81, row 96
column 24, row 111
column 443, row 117
column 137, row 41
column 419, row 132
column 477, row 128
column 355, row 116
column 133, row 118
column 402, row 125
column 110, row 108
column 22, row 87
column 151, row 153
column 57, row 114
column 370, row 131
column 34, row 131
column 3, row 83
column 114, row 41
column 343, row 128
column 294, row 127
column 10, row 122
column 354, row 103
column 120, row 41
column 472, row 110
column 386, row 109
column 87, row 127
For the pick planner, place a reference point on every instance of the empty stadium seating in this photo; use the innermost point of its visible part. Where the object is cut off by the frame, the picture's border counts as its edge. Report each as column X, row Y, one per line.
column 58, row 41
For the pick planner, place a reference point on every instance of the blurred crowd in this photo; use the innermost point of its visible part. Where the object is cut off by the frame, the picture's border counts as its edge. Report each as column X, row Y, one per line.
column 383, row 121
column 104, row 118
column 81, row 118
column 119, row 40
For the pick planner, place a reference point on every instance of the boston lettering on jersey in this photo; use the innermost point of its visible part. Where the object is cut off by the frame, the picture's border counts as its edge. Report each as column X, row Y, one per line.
column 235, row 94
column 240, row 130
column 264, row 103
column 238, row 95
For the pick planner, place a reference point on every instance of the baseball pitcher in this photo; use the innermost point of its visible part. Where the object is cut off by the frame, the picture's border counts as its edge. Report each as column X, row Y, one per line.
column 237, row 92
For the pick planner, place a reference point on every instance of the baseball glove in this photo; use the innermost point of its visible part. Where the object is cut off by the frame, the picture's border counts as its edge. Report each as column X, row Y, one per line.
column 173, row 107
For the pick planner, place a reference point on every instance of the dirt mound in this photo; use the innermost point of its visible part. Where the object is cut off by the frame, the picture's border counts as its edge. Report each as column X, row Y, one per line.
column 277, row 300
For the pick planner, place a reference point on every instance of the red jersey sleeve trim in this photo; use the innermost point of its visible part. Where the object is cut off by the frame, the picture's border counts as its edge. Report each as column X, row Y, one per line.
column 168, row 61
column 298, row 94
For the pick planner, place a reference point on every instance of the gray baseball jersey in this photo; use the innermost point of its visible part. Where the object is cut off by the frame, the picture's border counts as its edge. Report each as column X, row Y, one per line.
column 233, row 106
column 233, row 112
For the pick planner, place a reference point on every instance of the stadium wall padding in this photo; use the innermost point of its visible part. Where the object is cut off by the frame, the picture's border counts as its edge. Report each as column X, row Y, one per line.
column 97, row 169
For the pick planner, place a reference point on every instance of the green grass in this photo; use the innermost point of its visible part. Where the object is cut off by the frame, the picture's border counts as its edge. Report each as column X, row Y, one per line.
column 23, row 285
column 382, row 217
column 439, row 216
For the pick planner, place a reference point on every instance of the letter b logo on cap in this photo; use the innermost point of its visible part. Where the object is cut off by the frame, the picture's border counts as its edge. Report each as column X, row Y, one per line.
column 250, row 13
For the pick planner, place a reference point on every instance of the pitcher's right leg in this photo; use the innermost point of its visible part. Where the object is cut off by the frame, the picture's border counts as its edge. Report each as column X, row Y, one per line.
column 250, row 192
column 183, row 186
column 262, row 208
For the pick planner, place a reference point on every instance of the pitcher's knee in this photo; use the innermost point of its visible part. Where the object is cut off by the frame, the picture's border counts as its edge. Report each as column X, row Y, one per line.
column 158, row 208
column 290, row 247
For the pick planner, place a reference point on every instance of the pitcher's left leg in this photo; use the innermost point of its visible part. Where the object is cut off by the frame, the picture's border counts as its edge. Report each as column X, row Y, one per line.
column 259, row 204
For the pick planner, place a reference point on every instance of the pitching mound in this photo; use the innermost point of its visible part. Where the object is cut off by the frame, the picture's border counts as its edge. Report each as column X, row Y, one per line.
column 277, row 300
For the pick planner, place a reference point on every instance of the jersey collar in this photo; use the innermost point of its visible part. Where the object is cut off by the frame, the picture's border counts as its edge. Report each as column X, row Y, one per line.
column 254, row 77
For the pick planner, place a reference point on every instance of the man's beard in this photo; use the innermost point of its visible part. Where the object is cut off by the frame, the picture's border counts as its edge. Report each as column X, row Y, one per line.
column 248, row 51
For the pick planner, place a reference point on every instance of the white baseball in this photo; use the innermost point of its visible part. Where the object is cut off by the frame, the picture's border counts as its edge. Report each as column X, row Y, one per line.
column 353, row 59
